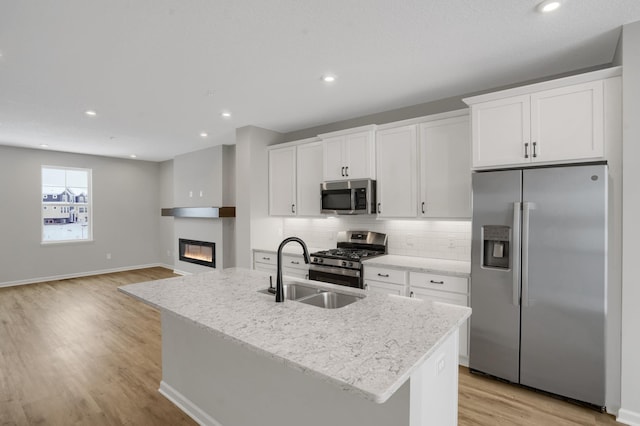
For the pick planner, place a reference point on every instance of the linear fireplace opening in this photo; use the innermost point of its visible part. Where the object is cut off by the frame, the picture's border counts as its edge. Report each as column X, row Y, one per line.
column 198, row 252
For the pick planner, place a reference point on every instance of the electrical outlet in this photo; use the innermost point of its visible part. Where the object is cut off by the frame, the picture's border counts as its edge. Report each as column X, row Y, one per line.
column 452, row 243
column 168, row 253
column 190, row 194
column 441, row 364
column 108, row 256
column 411, row 240
column 201, row 193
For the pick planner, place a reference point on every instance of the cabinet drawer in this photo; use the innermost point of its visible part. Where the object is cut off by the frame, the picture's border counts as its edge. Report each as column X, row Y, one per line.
column 385, row 275
column 265, row 257
column 297, row 262
column 439, row 282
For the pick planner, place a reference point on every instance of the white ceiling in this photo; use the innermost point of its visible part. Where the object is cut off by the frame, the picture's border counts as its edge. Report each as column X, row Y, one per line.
column 160, row 72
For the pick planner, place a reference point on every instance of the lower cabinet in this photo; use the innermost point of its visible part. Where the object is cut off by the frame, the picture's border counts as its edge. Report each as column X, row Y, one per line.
column 385, row 281
column 292, row 265
column 446, row 289
column 439, row 288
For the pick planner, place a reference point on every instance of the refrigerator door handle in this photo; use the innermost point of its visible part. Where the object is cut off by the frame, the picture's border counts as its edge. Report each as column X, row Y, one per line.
column 515, row 252
column 526, row 209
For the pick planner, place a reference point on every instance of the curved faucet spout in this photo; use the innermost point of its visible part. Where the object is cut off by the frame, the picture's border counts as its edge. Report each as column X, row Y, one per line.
column 279, row 286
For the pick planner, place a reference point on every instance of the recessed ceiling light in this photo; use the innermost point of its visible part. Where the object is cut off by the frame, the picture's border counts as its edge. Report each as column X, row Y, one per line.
column 328, row 78
column 91, row 113
column 133, row 156
column 226, row 114
column 548, row 6
column 203, row 135
column 44, row 145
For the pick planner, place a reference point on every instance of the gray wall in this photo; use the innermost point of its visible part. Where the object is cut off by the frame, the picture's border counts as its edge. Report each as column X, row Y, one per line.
column 630, row 412
column 125, row 216
column 166, row 233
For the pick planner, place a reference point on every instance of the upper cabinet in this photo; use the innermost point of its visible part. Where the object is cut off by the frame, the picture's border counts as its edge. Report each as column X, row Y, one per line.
column 397, row 170
column 424, row 169
column 559, row 121
column 295, row 173
column 349, row 154
column 445, row 168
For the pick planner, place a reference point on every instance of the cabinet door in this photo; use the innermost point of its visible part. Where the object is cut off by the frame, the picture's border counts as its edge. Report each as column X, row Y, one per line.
column 282, row 181
column 453, row 299
column 333, row 161
column 358, row 156
column 384, row 288
column 396, row 165
column 500, row 129
column 445, row 168
column 567, row 123
column 308, row 179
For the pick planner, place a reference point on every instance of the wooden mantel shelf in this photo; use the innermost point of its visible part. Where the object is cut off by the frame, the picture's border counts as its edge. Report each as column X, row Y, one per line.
column 200, row 212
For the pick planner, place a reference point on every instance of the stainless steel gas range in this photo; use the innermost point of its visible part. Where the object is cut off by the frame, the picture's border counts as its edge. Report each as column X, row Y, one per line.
column 343, row 265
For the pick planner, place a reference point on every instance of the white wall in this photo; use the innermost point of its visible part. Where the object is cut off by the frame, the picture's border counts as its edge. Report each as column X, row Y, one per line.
column 630, row 407
column 126, row 217
column 253, row 224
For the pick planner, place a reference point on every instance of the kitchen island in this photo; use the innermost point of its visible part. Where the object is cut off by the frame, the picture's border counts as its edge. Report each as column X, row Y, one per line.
column 232, row 356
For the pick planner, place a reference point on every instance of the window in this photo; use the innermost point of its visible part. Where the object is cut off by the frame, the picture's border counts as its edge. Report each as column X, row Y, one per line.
column 65, row 191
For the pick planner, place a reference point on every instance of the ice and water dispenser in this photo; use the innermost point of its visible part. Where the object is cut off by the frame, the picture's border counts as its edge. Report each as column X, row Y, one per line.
column 495, row 246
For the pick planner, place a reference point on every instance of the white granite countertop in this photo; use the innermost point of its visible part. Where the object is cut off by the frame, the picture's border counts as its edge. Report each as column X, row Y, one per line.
column 422, row 264
column 290, row 249
column 370, row 347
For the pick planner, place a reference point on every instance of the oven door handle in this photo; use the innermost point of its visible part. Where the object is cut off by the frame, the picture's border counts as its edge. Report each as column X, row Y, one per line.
column 335, row 270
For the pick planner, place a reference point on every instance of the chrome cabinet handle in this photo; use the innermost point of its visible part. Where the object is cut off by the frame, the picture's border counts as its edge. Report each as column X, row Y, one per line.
column 423, row 207
column 366, row 286
column 526, row 150
column 346, row 171
column 295, row 263
column 266, row 258
column 436, row 282
column 293, row 208
column 535, row 154
column 342, row 173
column 411, row 294
column 379, row 208
column 383, row 275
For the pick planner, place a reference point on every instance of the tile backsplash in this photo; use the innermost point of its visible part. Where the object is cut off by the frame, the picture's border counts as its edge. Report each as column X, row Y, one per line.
column 422, row 238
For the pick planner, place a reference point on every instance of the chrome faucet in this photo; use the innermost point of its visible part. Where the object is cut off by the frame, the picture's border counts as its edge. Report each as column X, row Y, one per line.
column 279, row 286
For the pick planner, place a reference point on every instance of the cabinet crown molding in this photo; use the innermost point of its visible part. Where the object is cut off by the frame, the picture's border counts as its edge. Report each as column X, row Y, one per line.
column 350, row 131
column 546, row 85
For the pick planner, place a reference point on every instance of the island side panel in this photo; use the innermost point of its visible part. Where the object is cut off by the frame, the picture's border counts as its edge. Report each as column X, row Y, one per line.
column 434, row 387
column 219, row 382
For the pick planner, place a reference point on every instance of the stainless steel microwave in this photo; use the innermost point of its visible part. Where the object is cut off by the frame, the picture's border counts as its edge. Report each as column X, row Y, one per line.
column 349, row 197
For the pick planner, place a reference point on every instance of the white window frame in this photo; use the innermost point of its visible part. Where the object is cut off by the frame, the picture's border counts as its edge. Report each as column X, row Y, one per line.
column 87, row 233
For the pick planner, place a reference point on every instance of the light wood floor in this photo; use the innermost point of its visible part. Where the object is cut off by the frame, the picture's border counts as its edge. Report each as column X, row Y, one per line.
column 77, row 352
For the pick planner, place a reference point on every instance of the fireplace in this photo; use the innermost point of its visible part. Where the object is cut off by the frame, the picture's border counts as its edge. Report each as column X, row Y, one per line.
column 198, row 252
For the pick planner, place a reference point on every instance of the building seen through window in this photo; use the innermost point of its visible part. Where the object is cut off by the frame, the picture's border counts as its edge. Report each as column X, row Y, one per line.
column 66, row 204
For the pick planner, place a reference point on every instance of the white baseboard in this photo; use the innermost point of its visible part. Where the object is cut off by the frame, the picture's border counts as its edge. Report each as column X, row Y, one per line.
column 187, row 406
column 82, row 274
column 628, row 417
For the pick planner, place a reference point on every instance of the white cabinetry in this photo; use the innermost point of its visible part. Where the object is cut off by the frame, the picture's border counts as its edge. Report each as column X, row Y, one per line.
column 282, row 181
column 292, row 265
column 447, row 289
column 349, row 154
column 385, row 281
column 424, row 169
column 445, row 168
column 397, row 171
column 559, row 121
column 295, row 174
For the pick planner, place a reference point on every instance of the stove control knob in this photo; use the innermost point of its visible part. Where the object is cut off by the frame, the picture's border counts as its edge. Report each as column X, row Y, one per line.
column 351, row 264
column 344, row 263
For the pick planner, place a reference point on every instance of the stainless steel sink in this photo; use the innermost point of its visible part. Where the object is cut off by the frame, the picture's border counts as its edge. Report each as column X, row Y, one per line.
column 316, row 296
column 330, row 300
column 296, row 291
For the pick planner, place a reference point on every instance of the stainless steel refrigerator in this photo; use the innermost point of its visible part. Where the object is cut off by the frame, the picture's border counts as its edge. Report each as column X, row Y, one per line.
column 538, row 279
